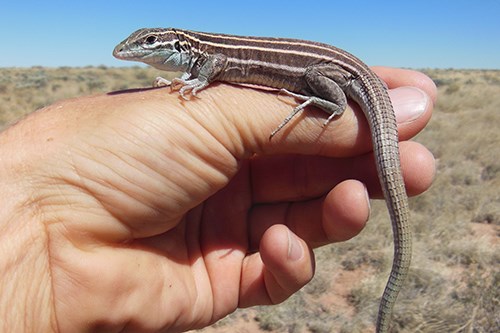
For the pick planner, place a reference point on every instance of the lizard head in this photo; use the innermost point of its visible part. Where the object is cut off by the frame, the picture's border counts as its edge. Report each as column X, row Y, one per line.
column 158, row 47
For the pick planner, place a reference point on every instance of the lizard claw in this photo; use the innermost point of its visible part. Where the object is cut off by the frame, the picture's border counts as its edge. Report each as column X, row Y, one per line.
column 188, row 86
column 161, row 82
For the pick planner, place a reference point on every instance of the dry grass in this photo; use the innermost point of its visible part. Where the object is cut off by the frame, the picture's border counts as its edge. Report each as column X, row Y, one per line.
column 455, row 277
column 23, row 90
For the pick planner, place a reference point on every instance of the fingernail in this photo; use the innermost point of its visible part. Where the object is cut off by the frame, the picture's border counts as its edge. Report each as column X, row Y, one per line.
column 295, row 250
column 409, row 103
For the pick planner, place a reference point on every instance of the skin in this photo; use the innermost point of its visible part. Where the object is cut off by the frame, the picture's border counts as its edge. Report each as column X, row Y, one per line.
column 137, row 211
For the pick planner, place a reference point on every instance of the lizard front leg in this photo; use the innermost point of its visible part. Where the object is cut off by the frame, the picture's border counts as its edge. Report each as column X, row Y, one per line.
column 162, row 82
column 208, row 73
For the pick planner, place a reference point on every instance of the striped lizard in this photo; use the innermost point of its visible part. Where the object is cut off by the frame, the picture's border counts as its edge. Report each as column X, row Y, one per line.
column 313, row 73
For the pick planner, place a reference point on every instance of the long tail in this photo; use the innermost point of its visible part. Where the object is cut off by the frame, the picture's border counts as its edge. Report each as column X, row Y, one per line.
column 378, row 110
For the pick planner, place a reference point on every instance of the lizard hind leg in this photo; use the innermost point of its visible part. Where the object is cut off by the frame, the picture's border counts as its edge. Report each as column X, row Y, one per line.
column 306, row 101
column 332, row 108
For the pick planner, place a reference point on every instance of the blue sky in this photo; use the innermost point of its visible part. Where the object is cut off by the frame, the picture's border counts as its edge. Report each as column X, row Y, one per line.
column 418, row 34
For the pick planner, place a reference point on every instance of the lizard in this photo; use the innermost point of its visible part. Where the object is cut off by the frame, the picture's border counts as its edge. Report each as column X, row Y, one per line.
column 314, row 74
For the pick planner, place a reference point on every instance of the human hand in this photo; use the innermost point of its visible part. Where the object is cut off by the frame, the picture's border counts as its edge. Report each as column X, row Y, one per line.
column 138, row 211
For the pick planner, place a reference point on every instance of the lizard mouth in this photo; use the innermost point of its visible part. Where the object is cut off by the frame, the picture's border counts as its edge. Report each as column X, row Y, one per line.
column 125, row 53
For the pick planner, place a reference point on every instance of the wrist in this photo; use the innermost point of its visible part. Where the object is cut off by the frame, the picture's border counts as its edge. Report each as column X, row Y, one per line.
column 26, row 293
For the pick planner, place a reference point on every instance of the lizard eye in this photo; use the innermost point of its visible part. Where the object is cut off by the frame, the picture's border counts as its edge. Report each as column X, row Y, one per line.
column 151, row 40
column 177, row 46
